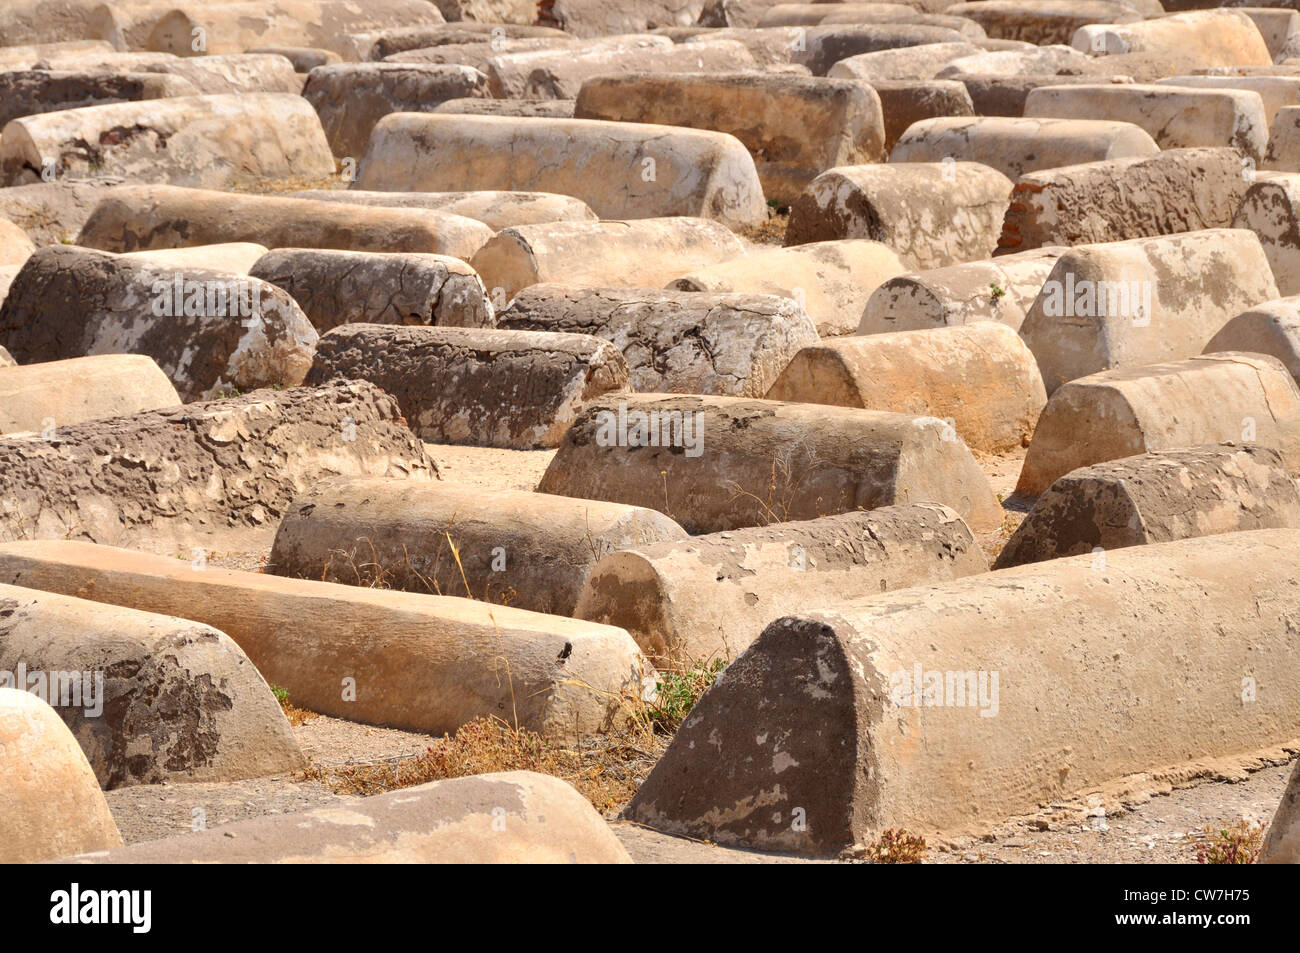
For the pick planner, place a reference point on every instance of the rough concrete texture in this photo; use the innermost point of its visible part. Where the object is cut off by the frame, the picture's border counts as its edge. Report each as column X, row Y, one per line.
column 234, row 73
column 1283, row 153
column 824, row 46
column 710, row 596
column 209, row 331
column 999, row 289
column 151, row 699
column 355, row 287
column 53, row 212
column 528, row 108
column 1276, row 92
column 202, row 474
column 511, row 817
column 831, row 281
column 47, row 22
column 979, row 378
column 676, row 342
column 1271, row 328
column 50, row 803
column 351, row 97
column 1175, row 117
column 1175, row 190
column 879, row 737
column 1228, row 397
column 641, row 252
column 477, row 386
column 496, row 210
column 1042, row 22
column 1282, row 839
column 914, row 63
column 1274, row 25
column 720, row 463
column 1124, row 304
column 1016, row 146
column 771, row 47
column 235, row 27
column 621, row 170
column 1214, row 37
column 931, row 214
column 1155, row 498
column 15, row 246
column 131, row 218
column 794, row 126
column 904, row 102
column 853, row 13
column 1271, row 209
column 527, row 550
column 401, row 659
column 204, row 141
column 30, row 92
column 560, row 73
column 766, row 13
column 235, row 257
column 44, row 397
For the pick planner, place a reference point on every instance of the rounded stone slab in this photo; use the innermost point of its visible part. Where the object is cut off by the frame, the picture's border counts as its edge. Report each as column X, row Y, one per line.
column 236, row 257
column 560, row 73
column 949, row 708
column 1212, row 37
column 993, row 95
column 1042, row 22
column 495, row 209
column 351, row 97
column 831, row 281
column 1217, row 398
column 721, row 463
column 905, row 101
column 528, row 108
column 377, row 44
column 45, row 396
column 1176, row 117
column 31, row 92
column 203, row 141
column 210, row 474
column 621, row 170
column 1125, row 304
column 351, row 287
column 1271, row 210
column 913, row 63
column 235, row 27
column 979, row 378
column 476, row 386
column 15, row 246
column 1276, row 92
column 1155, row 498
column 710, row 596
column 528, row 550
column 6, row 359
column 130, row 218
column 827, row 45
column 684, row 342
column 50, row 803
column 931, row 214
column 594, row 254
column 401, row 659
column 1016, row 146
column 234, row 73
column 209, row 331
column 150, row 699
column 794, row 126
column 1282, row 839
column 1175, row 190
column 513, row 817
column 1272, row 328
column 999, row 289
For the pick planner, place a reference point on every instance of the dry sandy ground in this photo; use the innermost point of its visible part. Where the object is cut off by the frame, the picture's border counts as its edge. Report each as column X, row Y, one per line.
column 1152, row 832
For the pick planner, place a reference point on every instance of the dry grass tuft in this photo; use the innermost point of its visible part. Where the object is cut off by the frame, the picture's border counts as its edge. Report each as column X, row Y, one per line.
column 297, row 716
column 1238, row 843
column 896, row 847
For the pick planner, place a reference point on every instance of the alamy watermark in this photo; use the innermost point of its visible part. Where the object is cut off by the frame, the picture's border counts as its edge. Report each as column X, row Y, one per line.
column 59, row 689
column 1085, row 298
column 654, row 428
column 922, row 688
